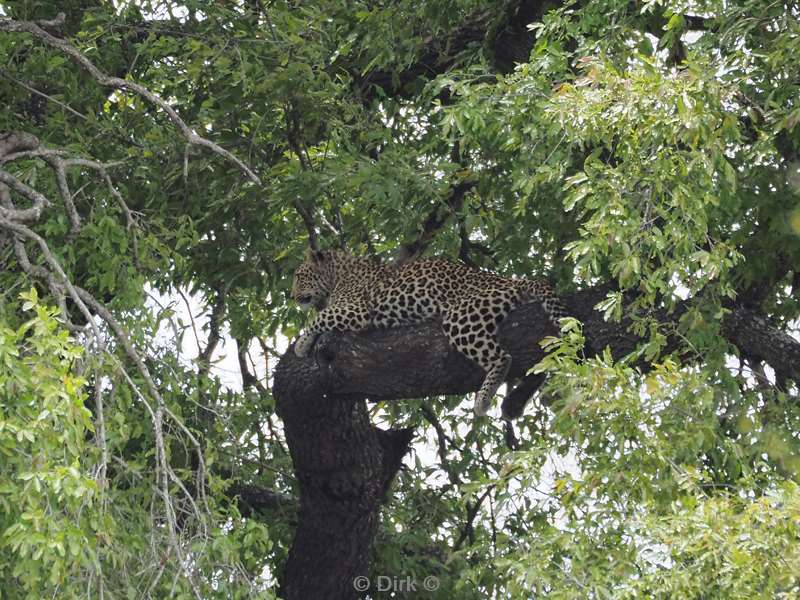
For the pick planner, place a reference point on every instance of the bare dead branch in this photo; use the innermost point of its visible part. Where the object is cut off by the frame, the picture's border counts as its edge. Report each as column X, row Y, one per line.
column 54, row 264
column 23, row 214
column 336, row 231
column 100, row 432
column 163, row 473
column 59, row 164
column 29, row 268
column 12, row 144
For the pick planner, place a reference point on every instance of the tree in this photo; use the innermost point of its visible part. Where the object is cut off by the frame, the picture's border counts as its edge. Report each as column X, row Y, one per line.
column 644, row 156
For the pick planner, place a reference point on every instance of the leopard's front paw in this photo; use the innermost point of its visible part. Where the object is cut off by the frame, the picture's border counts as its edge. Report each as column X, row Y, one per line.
column 304, row 344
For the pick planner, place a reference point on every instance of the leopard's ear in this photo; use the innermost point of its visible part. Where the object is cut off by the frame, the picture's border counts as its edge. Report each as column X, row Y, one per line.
column 317, row 256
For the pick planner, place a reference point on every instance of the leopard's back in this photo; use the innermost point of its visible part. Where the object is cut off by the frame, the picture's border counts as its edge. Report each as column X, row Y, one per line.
column 469, row 303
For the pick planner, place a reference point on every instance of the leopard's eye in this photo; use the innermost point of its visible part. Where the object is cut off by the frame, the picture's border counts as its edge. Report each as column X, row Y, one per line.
column 304, row 299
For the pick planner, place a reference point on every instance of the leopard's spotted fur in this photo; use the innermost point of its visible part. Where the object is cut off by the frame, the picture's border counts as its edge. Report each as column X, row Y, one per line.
column 354, row 293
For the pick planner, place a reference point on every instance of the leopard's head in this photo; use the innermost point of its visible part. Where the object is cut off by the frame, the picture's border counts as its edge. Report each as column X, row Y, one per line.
column 313, row 281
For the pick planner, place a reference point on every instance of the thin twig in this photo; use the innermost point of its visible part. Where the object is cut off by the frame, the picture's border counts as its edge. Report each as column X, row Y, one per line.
column 472, row 512
column 33, row 90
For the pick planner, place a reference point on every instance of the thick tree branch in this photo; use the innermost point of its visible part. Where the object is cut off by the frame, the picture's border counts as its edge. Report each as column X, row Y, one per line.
column 698, row 23
column 359, row 363
column 378, row 364
column 253, row 498
column 757, row 338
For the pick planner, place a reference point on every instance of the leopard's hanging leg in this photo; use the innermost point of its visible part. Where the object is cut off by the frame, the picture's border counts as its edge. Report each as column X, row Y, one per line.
column 471, row 326
column 496, row 365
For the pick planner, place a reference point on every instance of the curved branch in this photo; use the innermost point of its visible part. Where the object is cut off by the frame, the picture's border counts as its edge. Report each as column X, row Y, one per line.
column 123, row 84
column 74, row 292
column 23, row 214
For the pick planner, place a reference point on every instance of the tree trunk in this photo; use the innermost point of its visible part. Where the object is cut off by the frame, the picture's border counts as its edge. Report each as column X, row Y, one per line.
column 343, row 466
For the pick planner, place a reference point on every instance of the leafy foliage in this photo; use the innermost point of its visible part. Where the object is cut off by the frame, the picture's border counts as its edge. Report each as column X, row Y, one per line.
column 651, row 148
column 50, row 522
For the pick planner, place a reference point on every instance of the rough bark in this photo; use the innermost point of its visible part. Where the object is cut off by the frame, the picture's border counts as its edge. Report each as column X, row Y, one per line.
column 344, row 464
column 757, row 339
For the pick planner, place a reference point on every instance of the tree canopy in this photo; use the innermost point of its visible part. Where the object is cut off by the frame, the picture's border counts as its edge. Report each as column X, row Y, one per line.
column 644, row 156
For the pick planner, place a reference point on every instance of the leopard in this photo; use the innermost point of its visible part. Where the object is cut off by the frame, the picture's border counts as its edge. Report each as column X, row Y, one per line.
column 352, row 293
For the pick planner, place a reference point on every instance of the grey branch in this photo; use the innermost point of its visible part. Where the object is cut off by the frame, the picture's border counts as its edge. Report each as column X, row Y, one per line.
column 16, row 141
column 23, row 214
column 20, row 229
